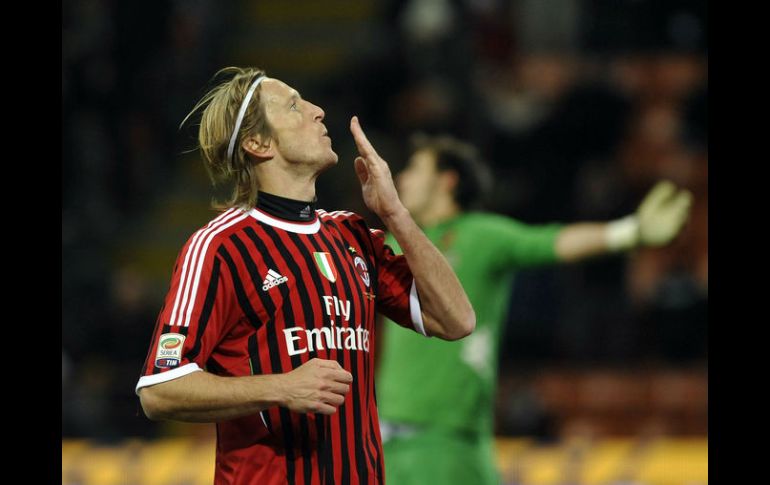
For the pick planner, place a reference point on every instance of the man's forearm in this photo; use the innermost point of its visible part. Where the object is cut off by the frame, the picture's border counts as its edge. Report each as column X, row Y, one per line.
column 317, row 386
column 447, row 311
column 202, row 397
column 582, row 240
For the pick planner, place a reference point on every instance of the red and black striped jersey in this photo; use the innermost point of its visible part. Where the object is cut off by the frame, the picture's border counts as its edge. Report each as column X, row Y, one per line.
column 252, row 294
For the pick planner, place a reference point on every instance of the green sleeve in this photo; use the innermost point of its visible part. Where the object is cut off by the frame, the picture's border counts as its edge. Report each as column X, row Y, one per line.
column 517, row 244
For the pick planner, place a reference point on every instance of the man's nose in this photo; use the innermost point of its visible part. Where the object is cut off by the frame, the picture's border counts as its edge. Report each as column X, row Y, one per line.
column 319, row 115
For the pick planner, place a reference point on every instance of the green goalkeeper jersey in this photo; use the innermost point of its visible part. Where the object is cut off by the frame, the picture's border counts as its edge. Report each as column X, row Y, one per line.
column 428, row 381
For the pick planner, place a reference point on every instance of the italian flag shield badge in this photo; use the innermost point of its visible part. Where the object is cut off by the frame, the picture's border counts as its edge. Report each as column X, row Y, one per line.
column 326, row 265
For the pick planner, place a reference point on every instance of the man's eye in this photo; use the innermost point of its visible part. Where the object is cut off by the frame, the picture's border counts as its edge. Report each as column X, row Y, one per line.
column 294, row 106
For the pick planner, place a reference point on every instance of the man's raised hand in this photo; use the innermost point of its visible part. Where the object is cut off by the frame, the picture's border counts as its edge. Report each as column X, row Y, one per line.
column 373, row 172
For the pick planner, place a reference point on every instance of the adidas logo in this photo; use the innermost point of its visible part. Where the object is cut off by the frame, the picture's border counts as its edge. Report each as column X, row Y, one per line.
column 306, row 212
column 273, row 278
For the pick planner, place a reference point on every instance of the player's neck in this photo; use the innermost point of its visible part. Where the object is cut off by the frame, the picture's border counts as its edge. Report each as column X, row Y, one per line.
column 292, row 190
column 287, row 183
column 286, row 209
column 438, row 212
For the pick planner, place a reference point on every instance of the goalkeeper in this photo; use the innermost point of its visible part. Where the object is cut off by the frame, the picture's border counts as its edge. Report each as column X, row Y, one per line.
column 435, row 398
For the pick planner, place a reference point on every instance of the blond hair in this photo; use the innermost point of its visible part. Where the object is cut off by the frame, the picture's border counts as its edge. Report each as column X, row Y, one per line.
column 218, row 120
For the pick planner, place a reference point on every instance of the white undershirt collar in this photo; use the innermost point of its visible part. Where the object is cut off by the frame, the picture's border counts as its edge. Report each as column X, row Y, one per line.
column 298, row 227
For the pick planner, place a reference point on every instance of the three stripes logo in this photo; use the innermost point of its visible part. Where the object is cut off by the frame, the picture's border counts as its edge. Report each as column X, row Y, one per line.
column 326, row 265
column 272, row 279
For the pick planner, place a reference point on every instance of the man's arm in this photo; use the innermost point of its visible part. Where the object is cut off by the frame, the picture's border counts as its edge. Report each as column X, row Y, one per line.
column 659, row 219
column 447, row 312
column 317, row 386
column 582, row 240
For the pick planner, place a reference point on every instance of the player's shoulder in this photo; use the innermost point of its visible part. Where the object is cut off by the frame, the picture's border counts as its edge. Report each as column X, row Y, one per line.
column 351, row 220
column 338, row 216
column 478, row 220
column 218, row 228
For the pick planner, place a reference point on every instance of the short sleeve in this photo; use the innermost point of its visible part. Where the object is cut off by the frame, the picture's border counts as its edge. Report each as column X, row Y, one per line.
column 195, row 314
column 397, row 296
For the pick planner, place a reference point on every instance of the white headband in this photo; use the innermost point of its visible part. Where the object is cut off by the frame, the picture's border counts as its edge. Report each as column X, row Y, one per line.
column 242, row 111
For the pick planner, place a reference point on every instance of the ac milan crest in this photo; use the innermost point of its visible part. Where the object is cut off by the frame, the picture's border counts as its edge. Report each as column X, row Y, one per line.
column 362, row 270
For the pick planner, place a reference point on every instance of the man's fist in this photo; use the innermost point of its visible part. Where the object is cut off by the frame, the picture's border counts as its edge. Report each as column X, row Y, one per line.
column 317, row 386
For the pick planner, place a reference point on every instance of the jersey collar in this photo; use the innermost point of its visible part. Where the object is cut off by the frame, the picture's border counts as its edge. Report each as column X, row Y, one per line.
column 298, row 227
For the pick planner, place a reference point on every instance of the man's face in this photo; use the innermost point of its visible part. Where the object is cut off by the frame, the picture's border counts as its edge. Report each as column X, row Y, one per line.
column 298, row 132
column 418, row 182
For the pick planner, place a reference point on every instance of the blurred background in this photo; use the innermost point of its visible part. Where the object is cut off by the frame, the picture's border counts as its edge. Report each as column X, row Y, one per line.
column 579, row 105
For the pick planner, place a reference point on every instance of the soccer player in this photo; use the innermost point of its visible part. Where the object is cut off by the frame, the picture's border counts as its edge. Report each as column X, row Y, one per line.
column 268, row 326
column 436, row 399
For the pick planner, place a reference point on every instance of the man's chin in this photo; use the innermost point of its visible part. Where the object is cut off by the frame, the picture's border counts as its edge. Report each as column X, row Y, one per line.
column 329, row 162
column 333, row 158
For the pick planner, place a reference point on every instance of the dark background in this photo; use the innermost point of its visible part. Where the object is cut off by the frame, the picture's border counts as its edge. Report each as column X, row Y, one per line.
column 579, row 106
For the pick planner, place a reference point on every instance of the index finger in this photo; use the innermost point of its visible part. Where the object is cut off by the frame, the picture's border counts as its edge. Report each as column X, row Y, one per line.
column 364, row 147
column 343, row 376
column 329, row 364
column 663, row 190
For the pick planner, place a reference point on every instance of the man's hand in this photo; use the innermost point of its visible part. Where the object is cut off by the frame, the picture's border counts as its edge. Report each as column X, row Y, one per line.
column 446, row 311
column 662, row 214
column 373, row 172
column 317, row 386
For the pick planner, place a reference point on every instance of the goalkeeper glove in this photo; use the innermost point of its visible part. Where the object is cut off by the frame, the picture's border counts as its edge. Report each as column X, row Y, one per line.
column 658, row 220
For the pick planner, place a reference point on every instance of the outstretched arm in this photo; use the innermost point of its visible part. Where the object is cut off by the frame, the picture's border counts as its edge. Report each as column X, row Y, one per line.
column 447, row 312
column 657, row 221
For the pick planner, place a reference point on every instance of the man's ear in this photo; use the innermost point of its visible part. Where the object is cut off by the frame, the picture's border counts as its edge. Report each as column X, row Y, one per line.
column 450, row 179
column 259, row 147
